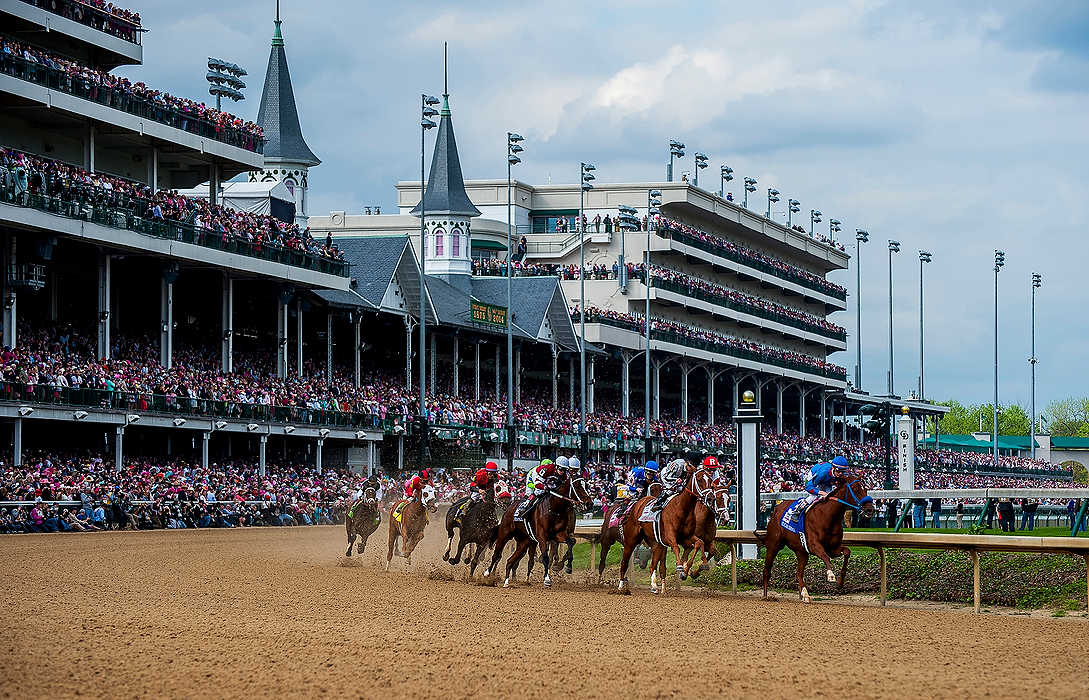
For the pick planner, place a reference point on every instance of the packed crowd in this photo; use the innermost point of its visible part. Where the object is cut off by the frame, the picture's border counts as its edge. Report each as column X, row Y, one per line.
column 22, row 173
column 41, row 66
column 728, row 344
column 670, row 227
column 97, row 14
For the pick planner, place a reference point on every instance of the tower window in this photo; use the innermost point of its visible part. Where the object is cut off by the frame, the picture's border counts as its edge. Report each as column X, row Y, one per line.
column 456, row 245
column 438, row 241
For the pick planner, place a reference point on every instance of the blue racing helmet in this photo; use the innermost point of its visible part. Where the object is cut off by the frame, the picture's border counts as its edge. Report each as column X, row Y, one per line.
column 839, row 461
column 652, row 466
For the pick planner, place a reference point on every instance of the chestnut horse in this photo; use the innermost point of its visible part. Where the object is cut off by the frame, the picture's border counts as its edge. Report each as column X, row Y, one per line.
column 677, row 529
column 361, row 520
column 549, row 521
column 413, row 521
column 707, row 521
column 609, row 534
column 823, row 533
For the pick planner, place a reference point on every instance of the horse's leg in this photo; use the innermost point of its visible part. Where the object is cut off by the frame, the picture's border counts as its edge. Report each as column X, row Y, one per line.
column 678, row 560
column 606, row 543
column 803, row 592
column 548, row 553
column 844, row 552
column 449, row 542
column 657, row 554
column 476, row 559
column 351, row 541
column 817, row 548
column 515, row 557
column 531, row 560
column 772, row 544
column 570, row 560
column 461, row 545
column 497, row 553
column 630, row 542
column 393, row 530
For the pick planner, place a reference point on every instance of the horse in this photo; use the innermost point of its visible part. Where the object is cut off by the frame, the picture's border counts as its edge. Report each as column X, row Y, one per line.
column 608, row 535
column 479, row 525
column 676, row 527
column 362, row 520
column 707, row 521
column 823, row 533
column 548, row 525
column 411, row 524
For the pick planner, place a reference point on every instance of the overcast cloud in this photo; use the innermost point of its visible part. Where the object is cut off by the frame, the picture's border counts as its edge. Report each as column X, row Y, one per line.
column 952, row 129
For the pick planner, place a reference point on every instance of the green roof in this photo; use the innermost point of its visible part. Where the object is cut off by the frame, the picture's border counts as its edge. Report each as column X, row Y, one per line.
column 1070, row 443
column 487, row 245
column 1005, row 442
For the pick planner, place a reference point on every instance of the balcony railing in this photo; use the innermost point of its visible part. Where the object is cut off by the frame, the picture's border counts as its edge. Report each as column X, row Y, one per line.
column 182, row 406
column 722, row 348
column 748, row 308
column 103, row 21
column 753, row 262
column 132, row 220
column 126, row 101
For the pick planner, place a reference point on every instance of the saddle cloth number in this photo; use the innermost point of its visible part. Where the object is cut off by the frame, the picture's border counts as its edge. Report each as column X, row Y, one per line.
column 398, row 510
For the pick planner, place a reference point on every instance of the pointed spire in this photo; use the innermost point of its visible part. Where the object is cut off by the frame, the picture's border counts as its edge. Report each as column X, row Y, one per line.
column 278, row 115
column 446, row 185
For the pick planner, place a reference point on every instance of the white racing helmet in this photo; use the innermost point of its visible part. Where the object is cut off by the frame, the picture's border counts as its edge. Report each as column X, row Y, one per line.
column 562, row 462
column 574, row 464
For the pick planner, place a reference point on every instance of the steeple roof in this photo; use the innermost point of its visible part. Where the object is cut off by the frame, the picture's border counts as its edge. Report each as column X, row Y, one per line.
column 278, row 115
column 445, row 185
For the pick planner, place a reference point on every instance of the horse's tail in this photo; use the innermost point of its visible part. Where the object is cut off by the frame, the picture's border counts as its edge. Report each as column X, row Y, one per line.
column 493, row 535
column 760, row 535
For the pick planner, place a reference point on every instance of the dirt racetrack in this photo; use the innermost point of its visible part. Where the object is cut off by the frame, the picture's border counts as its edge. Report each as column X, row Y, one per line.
column 259, row 612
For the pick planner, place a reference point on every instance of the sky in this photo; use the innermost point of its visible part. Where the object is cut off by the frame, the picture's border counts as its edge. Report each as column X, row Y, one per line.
column 955, row 128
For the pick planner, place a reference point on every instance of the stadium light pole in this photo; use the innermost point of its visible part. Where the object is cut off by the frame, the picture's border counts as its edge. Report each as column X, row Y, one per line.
column 894, row 247
column 861, row 237
column 924, row 257
column 1037, row 280
column 727, row 174
column 513, row 149
column 653, row 203
column 773, row 196
column 793, row 207
column 833, row 229
column 225, row 80
column 750, row 186
column 427, row 111
column 586, row 176
column 814, row 219
column 701, row 163
column 676, row 150
column 999, row 262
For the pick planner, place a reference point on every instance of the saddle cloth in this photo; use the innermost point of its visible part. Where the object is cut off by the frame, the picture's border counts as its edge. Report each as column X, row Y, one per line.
column 648, row 515
column 460, row 512
column 397, row 511
column 620, row 512
column 788, row 524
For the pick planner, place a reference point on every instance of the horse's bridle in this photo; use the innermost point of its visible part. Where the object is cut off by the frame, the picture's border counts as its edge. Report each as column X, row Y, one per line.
column 705, row 495
column 858, row 502
column 570, row 487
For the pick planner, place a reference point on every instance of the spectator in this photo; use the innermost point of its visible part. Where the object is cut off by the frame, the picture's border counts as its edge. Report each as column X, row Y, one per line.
column 1028, row 514
column 936, row 512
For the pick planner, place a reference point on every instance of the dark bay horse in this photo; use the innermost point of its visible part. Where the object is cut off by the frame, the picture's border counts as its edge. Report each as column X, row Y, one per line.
column 549, row 521
column 478, row 525
column 411, row 524
column 677, row 529
column 823, row 533
column 361, row 520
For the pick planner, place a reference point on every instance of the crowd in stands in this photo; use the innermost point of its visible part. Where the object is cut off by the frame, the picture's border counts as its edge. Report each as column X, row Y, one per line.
column 97, row 14
column 728, row 344
column 42, row 66
column 670, row 227
column 22, row 174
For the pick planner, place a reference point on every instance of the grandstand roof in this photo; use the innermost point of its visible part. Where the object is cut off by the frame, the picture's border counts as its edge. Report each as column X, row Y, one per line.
column 278, row 116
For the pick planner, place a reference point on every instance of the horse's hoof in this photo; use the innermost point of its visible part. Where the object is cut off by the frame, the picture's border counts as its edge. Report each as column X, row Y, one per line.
column 506, row 583
column 567, row 569
column 831, row 576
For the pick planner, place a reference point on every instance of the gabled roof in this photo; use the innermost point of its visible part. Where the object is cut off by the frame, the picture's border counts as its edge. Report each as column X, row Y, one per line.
column 278, row 116
column 343, row 298
column 445, row 185
column 538, row 299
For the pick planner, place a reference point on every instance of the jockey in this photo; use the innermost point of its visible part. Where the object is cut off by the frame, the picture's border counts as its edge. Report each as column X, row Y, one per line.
column 820, row 482
column 640, row 478
column 417, row 483
column 483, row 482
column 536, row 484
column 673, row 478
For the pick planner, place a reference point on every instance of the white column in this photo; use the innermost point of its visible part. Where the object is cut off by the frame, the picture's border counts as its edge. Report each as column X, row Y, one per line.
column 281, row 338
column 710, row 395
column 518, row 374
column 329, row 346
column 89, row 155
column 166, row 336
column 205, row 438
column 226, row 359
column 118, row 448
column 905, row 438
column 356, row 327
column 103, row 305
column 748, row 471
column 801, row 411
column 457, row 363
column 213, row 184
column 153, row 178
column 476, row 370
column 317, row 455
column 555, row 376
column 824, row 416
column 684, row 393
column 298, row 337
column 261, row 454
column 625, row 383
column 17, row 442
column 434, row 354
column 779, row 389
column 655, row 377
column 590, row 388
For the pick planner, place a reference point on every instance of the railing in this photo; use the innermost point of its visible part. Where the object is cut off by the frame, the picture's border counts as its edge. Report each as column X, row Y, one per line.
column 92, row 17
column 753, row 262
column 721, row 348
column 753, row 310
column 551, row 246
column 125, row 101
column 136, row 220
column 120, row 400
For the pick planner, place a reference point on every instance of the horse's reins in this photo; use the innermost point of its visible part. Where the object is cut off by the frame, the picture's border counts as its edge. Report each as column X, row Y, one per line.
column 858, row 503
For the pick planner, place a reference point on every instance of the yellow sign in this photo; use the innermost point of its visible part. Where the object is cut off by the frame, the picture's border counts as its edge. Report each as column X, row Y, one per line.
column 488, row 314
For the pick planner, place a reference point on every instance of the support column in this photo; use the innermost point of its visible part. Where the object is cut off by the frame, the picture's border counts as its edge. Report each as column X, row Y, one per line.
column 518, row 374
column 298, row 337
column 434, row 351
column 710, row 396
column 329, row 346
column 655, row 378
column 457, row 363
column 358, row 350
column 166, row 305
column 213, row 184
column 89, row 153
column 205, row 439
column 118, row 448
column 262, row 448
column 555, row 376
column 802, row 392
column 476, row 370
column 17, row 442
column 625, row 383
column 11, row 298
column 684, row 392
column 845, row 421
column 104, row 280
column 372, row 454
column 317, row 455
column 737, row 393
column 779, row 389
column 590, row 388
column 408, row 351
column 571, row 383
column 497, row 369
column 747, row 417
column 153, row 165
column 400, row 453
column 281, row 335
column 824, row 416
column 226, row 359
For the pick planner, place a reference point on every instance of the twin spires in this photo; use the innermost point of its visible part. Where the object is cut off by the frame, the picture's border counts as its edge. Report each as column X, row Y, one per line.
column 445, row 184
column 278, row 115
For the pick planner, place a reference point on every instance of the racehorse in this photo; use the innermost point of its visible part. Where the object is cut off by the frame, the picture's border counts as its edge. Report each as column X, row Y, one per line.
column 609, row 533
column 479, row 525
column 408, row 520
column 546, row 524
column 707, row 520
column 676, row 528
column 823, row 533
column 361, row 520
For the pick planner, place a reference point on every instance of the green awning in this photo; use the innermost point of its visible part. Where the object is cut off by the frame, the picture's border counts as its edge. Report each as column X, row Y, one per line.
column 487, row 245
column 1070, row 443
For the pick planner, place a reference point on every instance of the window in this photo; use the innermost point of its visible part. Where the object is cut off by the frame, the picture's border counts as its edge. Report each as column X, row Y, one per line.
column 456, row 245
column 438, row 241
